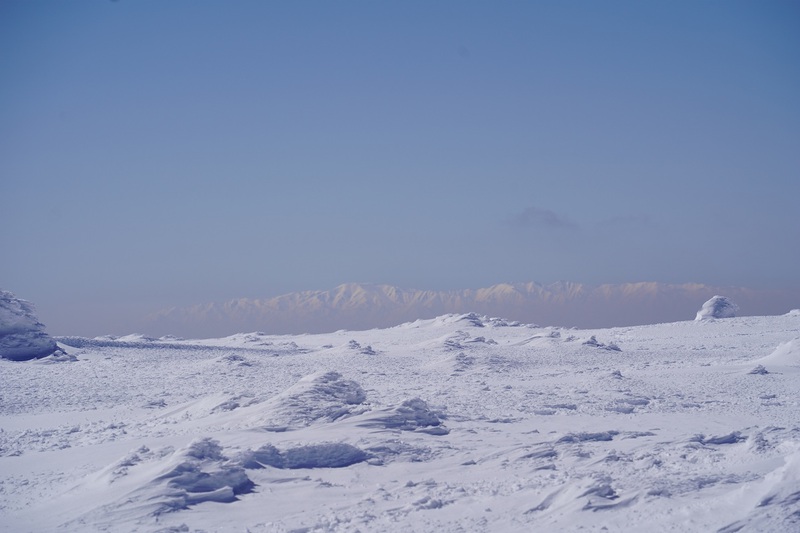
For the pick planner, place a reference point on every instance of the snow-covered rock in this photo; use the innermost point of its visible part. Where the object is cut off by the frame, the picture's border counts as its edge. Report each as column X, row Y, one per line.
column 22, row 336
column 717, row 307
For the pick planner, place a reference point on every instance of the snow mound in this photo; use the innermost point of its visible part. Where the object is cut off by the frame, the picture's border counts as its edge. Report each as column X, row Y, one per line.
column 202, row 476
column 481, row 321
column 793, row 312
column 319, row 397
column 588, row 437
column 136, row 338
column 717, row 307
column 325, row 455
column 588, row 494
column 147, row 483
column 411, row 415
column 786, row 354
column 597, row 344
column 22, row 336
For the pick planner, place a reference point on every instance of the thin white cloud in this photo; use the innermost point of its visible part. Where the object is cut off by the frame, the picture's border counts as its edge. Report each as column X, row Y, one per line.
column 535, row 217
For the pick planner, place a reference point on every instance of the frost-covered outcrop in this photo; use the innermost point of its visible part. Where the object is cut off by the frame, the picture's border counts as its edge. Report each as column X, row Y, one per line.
column 22, row 336
column 717, row 307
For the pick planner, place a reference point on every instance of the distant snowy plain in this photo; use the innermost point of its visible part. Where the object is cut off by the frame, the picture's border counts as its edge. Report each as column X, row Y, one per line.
column 459, row 423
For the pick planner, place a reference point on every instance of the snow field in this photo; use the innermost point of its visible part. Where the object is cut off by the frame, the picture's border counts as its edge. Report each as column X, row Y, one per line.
column 458, row 423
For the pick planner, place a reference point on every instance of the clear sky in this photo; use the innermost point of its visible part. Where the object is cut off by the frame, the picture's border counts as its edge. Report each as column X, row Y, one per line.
column 157, row 153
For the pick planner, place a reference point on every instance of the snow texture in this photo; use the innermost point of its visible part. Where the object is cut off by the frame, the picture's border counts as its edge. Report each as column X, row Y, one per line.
column 456, row 423
column 717, row 307
column 322, row 396
column 22, row 336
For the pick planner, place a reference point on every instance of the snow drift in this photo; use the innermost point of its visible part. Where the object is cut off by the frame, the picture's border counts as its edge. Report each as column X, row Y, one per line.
column 22, row 336
column 318, row 397
column 786, row 354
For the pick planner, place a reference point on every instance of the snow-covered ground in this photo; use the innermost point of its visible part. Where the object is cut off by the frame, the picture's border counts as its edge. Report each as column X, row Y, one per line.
column 459, row 423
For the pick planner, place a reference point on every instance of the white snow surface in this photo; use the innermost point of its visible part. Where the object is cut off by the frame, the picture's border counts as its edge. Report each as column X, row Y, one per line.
column 459, row 423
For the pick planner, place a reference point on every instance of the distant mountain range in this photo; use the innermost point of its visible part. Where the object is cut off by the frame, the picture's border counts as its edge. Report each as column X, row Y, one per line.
column 356, row 306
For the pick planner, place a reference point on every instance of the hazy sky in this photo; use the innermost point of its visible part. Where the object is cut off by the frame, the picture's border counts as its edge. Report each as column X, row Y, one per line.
column 157, row 153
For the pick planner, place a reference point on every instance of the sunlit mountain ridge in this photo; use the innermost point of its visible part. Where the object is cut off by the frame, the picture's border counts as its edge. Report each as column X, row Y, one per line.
column 358, row 306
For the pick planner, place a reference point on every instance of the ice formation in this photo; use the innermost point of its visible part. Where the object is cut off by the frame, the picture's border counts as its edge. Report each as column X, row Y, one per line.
column 717, row 307
column 22, row 336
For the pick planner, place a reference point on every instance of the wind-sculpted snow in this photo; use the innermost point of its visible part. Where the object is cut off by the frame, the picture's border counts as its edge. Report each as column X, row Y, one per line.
column 774, row 495
column 456, row 423
column 717, row 307
column 325, row 455
column 202, row 475
column 593, row 342
column 22, row 336
column 319, row 397
column 787, row 354
column 411, row 415
column 149, row 484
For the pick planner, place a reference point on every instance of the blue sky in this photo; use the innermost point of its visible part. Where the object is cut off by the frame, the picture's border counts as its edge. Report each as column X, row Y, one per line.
column 160, row 153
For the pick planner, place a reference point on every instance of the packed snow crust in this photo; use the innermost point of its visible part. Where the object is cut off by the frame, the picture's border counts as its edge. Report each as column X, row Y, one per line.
column 459, row 423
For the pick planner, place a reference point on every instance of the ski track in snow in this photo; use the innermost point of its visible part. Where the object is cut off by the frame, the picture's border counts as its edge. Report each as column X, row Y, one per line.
column 459, row 423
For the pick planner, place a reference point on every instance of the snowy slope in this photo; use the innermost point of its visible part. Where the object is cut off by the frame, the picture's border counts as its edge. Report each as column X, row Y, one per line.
column 458, row 423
